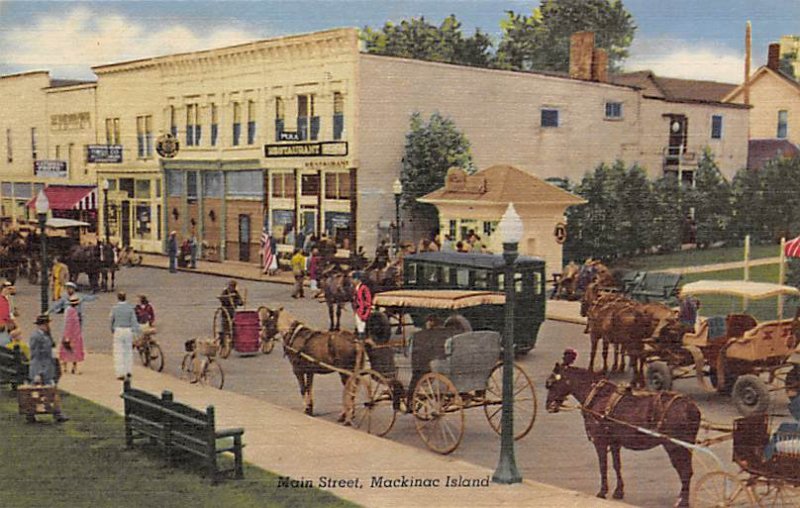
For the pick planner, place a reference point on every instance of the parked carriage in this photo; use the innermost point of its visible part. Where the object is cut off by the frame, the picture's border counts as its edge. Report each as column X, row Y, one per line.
column 733, row 352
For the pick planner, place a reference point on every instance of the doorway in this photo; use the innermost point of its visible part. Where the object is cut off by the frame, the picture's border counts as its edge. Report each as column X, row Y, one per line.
column 244, row 237
column 678, row 134
column 125, row 223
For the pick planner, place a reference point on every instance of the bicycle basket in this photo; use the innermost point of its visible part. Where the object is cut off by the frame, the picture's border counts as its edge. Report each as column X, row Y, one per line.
column 189, row 345
column 207, row 347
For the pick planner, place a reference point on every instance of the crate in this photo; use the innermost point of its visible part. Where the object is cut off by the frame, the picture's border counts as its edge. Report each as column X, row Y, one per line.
column 207, row 347
column 38, row 400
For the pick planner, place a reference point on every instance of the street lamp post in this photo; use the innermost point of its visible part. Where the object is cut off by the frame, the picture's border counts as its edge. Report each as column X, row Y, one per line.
column 397, row 190
column 105, row 208
column 510, row 230
column 42, row 207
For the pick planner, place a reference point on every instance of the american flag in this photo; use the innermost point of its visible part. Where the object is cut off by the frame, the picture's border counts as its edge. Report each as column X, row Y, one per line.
column 792, row 248
column 267, row 256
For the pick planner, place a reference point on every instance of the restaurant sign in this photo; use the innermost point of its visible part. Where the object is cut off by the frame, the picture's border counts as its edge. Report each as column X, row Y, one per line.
column 328, row 148
column 104, row 153
column 50, row 169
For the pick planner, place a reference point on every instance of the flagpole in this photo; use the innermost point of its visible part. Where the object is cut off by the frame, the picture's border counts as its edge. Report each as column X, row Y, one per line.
column 782, row 275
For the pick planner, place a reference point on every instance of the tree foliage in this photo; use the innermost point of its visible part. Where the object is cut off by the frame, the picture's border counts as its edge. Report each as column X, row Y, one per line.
column 541, row 41
column 711, row 200
column 786, row 64
column 431, row 149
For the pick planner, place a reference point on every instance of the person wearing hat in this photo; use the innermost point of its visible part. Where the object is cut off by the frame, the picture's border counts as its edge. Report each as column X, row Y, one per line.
column 172, row 251
column 71, row 349
column 362, row 304
column 124, row 326
column 61, row 305
column 42, row 368
column 16, row 341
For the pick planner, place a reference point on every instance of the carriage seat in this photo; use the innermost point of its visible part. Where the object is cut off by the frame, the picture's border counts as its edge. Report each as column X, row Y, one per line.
column 469, row 358
column 712, row 329
column 768, row 339
column 737, row 324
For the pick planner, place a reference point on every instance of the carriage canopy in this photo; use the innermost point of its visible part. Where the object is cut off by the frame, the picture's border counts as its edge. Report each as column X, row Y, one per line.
column 744, row 289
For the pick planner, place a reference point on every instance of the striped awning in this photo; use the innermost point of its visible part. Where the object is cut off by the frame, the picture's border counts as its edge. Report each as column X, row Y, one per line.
column 69, row 197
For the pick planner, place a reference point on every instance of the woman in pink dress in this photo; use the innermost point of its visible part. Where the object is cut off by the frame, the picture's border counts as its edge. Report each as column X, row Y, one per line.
column 71, row 349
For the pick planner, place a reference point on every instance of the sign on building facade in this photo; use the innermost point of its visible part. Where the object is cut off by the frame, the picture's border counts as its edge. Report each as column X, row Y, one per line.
column 104, row 153
column 50, row 169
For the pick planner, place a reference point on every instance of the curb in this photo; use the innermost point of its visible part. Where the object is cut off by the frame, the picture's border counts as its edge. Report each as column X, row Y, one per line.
column 219, row 274
column 566, row 319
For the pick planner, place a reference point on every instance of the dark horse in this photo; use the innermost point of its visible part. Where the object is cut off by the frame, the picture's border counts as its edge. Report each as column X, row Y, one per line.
column 84, row 259
column 337, row 289
column 307, row 349
column 107, row 265
column 611, row 413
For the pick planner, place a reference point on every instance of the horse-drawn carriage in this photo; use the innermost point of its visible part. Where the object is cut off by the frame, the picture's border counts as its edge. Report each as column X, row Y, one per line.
column 733, row 352
column 244, row 331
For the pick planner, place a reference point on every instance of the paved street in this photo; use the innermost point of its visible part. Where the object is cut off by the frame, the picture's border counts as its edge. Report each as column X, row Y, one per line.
column 556, row 452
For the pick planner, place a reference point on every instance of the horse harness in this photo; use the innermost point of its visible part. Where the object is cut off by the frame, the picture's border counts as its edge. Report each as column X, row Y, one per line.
column 294, row 333
column 620, row 392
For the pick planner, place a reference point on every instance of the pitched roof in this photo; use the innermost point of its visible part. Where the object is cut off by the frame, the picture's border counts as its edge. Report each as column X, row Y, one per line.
column 500, row 184
column 761, row 151
column 762, row 71
column 675, row 89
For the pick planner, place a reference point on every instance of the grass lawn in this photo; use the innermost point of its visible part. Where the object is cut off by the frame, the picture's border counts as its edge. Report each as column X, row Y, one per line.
column 696, row 257
column 84, row 463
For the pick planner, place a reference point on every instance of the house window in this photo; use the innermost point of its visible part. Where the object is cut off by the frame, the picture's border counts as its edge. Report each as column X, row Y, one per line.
column 338, row 115
column 783, row 124
column 251, row 122
column 144, row 136
column 34, row 150
column 214, row 124
column 549, row 118
column 307, row 122
column 9, row 153
column 112, row 131
column 283, row 185
column 716, row 127
column 237, row 123
column 337, row 186
column 192, row 125
column 191, row 186
column 613, row 111
column 173, row 121
column 279, row 117
column 70, row 152
column 309, row 185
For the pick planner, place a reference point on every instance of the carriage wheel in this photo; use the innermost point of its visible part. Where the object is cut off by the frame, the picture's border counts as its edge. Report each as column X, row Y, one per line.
column 187, row 368
column 151, row 356
column 524, row 401
column 776, row 494
column 267, row 344
column 439, row 413
column 750, row 394
column 369, row 396
column 458, row 322
column 222, row 330
column 658, row 376
column 212, row 374
column 720, row 488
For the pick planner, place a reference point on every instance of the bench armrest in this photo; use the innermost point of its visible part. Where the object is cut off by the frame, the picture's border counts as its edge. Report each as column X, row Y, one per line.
column 229, row 432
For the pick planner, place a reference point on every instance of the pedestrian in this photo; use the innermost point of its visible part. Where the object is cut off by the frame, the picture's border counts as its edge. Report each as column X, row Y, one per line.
column 172, row 251
column 193, row 250
column 59, row 278
column 362, row 304
column 71, row 350
column 124, row 326
column 298, row 263
column 42, row 368
column 269, row 257
column 7, row 322
column 460, row 247
column 447, row 244
column 145, row 314
column 61, row 305
column 687, row 312
column 229, row 299
column 314, row 270
column 382, row 255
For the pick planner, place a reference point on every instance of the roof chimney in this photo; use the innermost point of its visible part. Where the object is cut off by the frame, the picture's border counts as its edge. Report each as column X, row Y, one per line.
column 581, row 52
column 774, row 56
column 600, row 66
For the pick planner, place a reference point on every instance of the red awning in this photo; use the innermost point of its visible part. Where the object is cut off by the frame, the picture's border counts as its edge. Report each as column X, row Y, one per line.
column 69, row 197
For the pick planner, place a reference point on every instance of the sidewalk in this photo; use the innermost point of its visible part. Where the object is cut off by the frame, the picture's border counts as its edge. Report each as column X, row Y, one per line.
column 289, row 443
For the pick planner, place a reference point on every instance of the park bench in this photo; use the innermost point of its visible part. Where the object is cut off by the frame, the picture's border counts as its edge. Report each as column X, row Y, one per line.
column 13, row 368
column 659, row 286
column 174, row 427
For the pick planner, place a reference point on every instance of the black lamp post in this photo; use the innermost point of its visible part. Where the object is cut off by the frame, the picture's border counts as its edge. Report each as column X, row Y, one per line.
column 397, row 190
column 42, row 207
column 105, row 208
column 510, row 230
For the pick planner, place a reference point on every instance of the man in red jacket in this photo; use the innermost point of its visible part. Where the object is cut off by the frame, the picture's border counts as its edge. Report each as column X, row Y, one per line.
column 362, row 304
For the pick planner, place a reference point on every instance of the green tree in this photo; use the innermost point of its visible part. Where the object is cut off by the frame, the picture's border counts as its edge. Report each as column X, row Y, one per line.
column 431, row 149
column 781, row 209
column 747, row 191
column 711, row 199
column 541, row 41
column 636, row 212
column 669, row 215
column 418, row 39
column 786, row 64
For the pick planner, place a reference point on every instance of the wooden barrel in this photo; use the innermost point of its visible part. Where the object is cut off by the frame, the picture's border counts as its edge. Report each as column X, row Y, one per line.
column 246, row 327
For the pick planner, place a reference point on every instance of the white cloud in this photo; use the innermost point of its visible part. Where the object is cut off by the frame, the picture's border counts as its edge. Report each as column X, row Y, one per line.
column 680, row 59
column 70, row 44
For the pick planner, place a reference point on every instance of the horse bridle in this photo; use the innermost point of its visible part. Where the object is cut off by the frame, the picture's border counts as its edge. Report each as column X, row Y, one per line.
column 292, row 332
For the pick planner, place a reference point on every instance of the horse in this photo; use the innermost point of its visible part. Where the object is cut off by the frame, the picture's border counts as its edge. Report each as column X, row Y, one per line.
column 337, row 288
column 308, row 349
column 107, row 265
column 84, row 259
column 611, row 413
column 12, row 255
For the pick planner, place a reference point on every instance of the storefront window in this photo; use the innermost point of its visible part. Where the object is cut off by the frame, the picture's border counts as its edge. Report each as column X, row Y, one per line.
column 337, row 185
column 337, row 226
column 282, row 221
column 5, row 189
column 143, row 221
column 142, row 189
column 191, row 185
column 244, row 183
column 310, row 185
column 212, row 184
column 174, row 183
column 283, row 185
column 23, row 190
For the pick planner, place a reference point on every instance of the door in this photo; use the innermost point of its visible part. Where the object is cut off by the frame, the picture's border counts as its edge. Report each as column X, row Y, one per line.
column 125, row 223
column 244, row 237
column 678, row 132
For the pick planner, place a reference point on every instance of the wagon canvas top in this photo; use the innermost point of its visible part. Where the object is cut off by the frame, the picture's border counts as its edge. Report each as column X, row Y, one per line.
column 441, row 299
column 472, row 260
column 745, row 289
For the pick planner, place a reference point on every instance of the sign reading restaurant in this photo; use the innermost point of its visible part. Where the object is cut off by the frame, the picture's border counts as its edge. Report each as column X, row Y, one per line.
column 50, row 169
column 104, row 153
column 328, row 148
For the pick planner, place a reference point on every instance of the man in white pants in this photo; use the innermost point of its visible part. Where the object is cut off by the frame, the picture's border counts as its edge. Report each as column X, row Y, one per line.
column 124, row 326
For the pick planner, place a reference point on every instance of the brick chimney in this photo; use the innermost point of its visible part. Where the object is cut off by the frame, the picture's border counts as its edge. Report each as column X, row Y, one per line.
column 581, row 53
column 774, row 56
column 600, row 66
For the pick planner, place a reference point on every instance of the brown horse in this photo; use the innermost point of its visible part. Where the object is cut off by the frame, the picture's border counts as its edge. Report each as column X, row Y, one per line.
column 337, row 290
column 597, row 305
column 611, row 415
column 308, row 349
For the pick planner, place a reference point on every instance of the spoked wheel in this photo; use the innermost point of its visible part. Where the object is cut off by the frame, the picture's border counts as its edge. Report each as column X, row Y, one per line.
column 267, row 343
column 369, row 398
column 187, row 368
column 212, row 374
column 152, row 357
column 658, row 376
column 524, row 400
column 750, row 394
column 439, row 413
column 776, row 494
column 223, row 330
column 718, row 489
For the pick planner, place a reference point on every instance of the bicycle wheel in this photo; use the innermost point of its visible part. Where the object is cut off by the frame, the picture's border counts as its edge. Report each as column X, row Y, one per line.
column 212, row 374
column 153, row 357
column 223, row 330
column 187, row 368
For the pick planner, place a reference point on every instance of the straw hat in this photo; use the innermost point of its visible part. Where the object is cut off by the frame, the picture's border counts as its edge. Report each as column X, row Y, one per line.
column 74, row 300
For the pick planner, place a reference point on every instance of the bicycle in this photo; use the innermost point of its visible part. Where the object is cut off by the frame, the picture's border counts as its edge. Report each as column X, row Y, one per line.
column 149, row 350
column 199, row 365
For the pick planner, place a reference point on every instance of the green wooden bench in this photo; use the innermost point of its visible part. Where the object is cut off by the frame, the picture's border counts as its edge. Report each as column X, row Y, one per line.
column 175, row 427
column 13, row 367
column 658, row 286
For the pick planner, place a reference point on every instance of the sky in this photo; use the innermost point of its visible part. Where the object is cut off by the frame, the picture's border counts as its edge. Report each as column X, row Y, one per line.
column 695, row 39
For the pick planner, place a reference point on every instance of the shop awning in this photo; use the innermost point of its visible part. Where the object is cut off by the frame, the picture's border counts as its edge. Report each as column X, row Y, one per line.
column 69, row 197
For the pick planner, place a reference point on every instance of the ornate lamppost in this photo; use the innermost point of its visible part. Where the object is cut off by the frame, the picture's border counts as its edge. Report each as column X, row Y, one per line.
column 105, row 208
column 510, row 230
column 42, row 207
column 397, row 190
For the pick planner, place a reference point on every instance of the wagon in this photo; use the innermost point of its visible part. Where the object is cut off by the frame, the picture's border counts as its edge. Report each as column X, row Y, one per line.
column 451, row 371
column 732, row 353
column 245, row 331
